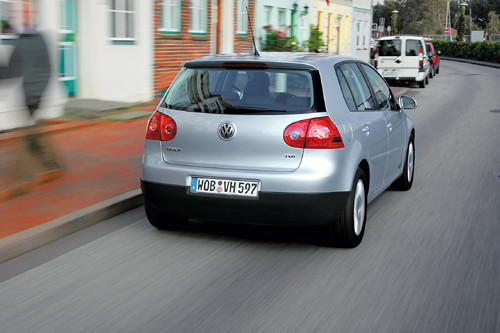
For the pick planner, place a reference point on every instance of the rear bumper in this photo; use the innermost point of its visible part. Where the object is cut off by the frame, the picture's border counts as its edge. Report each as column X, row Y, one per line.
column 419, row 78
column 285, row 209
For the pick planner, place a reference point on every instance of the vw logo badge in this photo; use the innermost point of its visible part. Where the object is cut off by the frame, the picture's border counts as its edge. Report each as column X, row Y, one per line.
column 226, row 131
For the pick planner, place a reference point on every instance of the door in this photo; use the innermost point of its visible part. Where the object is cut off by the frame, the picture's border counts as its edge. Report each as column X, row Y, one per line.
column 370, row 124
column 394, row 120
column 67, row 46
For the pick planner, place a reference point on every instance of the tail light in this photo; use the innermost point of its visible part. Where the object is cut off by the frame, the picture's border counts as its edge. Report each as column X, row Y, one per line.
column 376, row 58
column 420, row 57
column 161, row 127
column 316, row 133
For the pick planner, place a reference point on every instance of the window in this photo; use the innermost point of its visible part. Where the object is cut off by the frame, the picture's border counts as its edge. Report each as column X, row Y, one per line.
column 199, row 13
column 382, row 91
column 242, row 18
column 171, row 16
column 282, row 18
column 67, row 22
column 269, row 13
column 357, row 34
column 346, row 91
column 10, row 18
column 361, row 93
column 122, row 20
column 243, row 91
column 390, row 48
column 412, row 46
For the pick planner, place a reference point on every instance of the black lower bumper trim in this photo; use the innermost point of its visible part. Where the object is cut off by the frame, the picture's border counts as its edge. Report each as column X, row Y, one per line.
column 287, row 209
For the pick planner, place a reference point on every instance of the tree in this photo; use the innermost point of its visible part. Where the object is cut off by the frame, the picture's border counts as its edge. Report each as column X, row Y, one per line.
column 383, row 11
column 434, row 16
column 315, row 42
column 461, row 25
column 493, row 26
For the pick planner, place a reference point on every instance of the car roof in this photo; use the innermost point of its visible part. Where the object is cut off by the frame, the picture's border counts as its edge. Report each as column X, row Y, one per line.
column 401, row 37
column 269, row 59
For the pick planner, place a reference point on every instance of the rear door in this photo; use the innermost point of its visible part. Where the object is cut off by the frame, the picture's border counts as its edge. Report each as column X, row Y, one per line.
column 394, row 122
column 410, row 63
column 390, row 57
column 369, row 123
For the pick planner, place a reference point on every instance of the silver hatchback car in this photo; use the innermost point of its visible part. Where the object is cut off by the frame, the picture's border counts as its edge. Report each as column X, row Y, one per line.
column 276, row 139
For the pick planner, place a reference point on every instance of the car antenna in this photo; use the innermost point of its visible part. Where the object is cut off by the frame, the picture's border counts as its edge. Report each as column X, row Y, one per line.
column 256, row 53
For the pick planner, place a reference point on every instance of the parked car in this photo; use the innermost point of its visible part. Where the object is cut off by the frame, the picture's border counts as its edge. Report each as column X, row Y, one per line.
column 433, row 59
column 403, row 59
column 277, row 139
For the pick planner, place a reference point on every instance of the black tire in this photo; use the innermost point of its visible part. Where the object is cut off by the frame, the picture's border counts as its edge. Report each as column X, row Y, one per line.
column 437, row 70
column 427, row 79
column 405, row 181
column 349, row 229
column 421, row 84
column 161, row 222
column 432, row 72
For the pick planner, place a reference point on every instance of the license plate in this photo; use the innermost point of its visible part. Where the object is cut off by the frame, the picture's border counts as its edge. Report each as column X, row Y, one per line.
column 390, row 72
column 215, row 186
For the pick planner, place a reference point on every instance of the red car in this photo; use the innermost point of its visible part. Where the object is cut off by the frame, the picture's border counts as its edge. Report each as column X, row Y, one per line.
column 434, row 59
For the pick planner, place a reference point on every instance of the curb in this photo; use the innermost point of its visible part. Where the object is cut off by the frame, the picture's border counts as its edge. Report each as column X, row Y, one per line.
column 474, row 62
column 36, row 237
column 48, row 127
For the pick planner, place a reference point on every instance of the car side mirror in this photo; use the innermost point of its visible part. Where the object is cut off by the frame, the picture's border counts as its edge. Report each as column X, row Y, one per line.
column 407, row 103
column 439, row 52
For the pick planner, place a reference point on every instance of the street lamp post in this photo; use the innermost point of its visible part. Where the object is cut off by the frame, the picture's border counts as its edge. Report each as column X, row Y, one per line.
column 394, row 21
column 461, row 23
column 470, row 21
column 294, row 10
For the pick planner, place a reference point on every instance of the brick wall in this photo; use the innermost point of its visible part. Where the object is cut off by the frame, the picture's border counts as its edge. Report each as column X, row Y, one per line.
column 174, row 49
column 171, row 50
column 243, row 43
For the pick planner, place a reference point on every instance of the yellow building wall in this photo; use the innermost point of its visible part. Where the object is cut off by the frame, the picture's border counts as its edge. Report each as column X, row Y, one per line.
column 334, row 20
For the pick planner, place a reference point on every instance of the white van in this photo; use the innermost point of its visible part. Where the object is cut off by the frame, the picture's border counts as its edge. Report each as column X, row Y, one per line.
column 403, row 59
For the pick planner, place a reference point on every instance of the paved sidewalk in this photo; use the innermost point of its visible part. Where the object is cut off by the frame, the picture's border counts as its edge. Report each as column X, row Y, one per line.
column 102, row 165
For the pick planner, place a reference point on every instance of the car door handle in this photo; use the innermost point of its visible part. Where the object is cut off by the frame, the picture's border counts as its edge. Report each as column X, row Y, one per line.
column 366, row 130
column 389, row 126
column 398, row 61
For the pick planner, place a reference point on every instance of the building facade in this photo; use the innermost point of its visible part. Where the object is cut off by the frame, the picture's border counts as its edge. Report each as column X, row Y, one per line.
column 99, row 50
column 362, row 16
column 289, row 17
column 187, row 29
column 334, row 20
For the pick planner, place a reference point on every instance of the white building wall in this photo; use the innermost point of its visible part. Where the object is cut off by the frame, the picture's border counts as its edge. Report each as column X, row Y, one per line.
column 13, row 112
column 268, row 12
column 114, row 72
column 361, row 29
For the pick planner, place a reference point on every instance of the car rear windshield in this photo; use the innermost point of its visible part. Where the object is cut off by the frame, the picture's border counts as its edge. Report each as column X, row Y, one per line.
column 389, row 48
column 245, row 91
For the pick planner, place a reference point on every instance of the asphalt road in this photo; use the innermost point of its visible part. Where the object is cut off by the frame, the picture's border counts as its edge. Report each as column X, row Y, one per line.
column 429, row 261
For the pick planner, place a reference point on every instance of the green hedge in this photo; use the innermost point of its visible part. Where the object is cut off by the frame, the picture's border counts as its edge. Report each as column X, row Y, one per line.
column 482, row 51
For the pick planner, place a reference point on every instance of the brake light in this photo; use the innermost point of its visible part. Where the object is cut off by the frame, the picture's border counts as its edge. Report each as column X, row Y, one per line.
column 161, row 127
column 376, row 57
column 420, row 57
column 316, row 133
